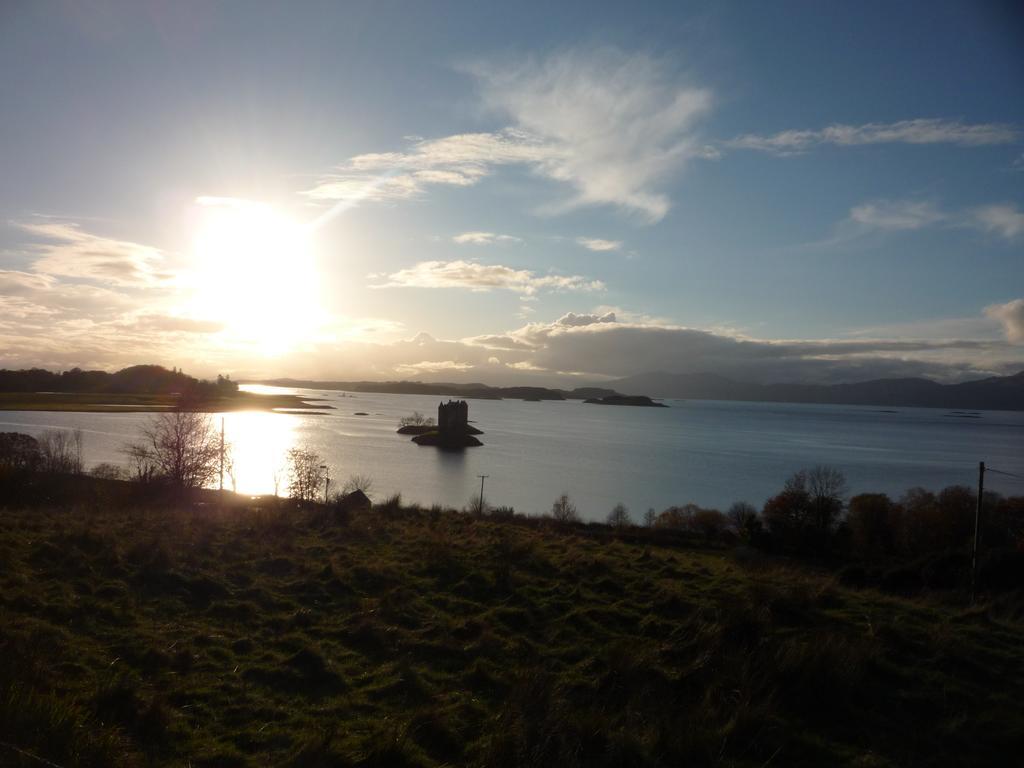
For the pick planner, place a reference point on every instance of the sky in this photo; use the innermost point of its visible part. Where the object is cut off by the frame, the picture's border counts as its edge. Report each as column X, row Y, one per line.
column 546, row 193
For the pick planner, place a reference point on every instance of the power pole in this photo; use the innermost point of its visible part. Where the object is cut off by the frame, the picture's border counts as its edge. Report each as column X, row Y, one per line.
column 222, row 454
column 977, row 528
column 480, row 509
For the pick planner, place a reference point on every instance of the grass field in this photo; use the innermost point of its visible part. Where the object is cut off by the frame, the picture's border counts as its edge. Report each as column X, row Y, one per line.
column 123, row 403
column 413, row 637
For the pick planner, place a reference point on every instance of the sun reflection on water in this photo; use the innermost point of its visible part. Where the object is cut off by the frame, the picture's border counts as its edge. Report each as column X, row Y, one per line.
column 258, row 444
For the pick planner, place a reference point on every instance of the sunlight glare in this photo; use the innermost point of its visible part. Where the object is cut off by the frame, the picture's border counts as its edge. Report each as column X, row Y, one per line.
column 256, row 272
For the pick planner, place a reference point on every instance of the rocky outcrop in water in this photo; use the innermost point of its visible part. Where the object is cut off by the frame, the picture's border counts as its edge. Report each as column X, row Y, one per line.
column 453, row 430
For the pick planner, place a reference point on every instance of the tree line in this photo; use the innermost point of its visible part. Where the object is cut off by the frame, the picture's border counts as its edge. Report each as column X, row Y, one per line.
column 137, row 379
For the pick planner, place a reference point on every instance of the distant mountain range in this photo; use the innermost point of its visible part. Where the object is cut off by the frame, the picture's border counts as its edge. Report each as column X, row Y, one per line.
column 448, row 389
column 995, row 393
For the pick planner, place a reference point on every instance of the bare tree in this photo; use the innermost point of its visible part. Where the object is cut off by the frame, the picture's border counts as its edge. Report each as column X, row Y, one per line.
column 181, row 447
column 827, row 489
column 650, row 517
column 61, row 452
column 358, row 483
column 141, row 466
column 619, row 516
column 306, row 474
column 745, row 521
column 416, row 420
column 563, row 510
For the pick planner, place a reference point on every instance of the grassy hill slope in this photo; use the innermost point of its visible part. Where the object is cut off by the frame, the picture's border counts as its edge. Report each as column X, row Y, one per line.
column 410, row 637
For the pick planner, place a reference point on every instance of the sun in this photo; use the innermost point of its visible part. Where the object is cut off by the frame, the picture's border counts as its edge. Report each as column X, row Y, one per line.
column 255, row 271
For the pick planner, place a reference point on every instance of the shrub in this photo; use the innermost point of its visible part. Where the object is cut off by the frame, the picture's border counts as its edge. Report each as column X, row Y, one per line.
column 358, row 483
column 745, row 521
column 18, row 451
column 871, row 520
column 619, row 516
column 306, row 474
column 107, row 471
column 803, row 517
column 417, row 419
column 180, row 447
column 564, row 511
column 60, row 452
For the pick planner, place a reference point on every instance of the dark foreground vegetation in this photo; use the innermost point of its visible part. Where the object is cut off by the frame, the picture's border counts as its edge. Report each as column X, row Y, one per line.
column 137, row 632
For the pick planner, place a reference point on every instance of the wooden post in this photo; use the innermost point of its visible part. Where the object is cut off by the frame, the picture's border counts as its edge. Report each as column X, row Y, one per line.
column 480, row 509
column 977, row 530
column 222, row 454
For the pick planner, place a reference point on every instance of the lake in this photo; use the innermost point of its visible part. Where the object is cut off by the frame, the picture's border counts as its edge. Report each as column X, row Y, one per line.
column 709, row 452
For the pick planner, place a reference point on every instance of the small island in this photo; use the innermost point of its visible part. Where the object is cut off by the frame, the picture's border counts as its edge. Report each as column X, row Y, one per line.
column 638, row 400
column 452, row 431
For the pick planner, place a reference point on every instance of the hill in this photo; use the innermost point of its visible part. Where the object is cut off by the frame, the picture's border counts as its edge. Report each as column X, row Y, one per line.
column 134, row 380
column 410, row 637
column 473, row 391
column 995, row 393
column 139, row 388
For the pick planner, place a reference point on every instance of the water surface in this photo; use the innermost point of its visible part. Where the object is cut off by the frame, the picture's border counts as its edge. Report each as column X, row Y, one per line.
column 708, row 452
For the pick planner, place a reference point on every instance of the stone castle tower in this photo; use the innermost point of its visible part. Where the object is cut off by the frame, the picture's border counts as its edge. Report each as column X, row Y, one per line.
column 453, row 418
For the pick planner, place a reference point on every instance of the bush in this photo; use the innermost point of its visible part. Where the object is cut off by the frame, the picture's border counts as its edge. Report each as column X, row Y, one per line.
column 619, row 516
column 355, row 483
column 417, row 419
column 691, row 518
column 871, row 521
column 18, row 452
column 107, row 471
column 307, row 473
column 61, row 452
column 181, row 448
column 803, row 516
column 745, row 521
column 564, row 511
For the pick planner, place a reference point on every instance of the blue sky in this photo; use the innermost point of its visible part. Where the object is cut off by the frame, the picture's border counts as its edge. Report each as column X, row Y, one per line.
column 514, row 192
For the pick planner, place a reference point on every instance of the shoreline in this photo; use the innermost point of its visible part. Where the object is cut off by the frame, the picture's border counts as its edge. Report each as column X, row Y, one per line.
column 102, row 402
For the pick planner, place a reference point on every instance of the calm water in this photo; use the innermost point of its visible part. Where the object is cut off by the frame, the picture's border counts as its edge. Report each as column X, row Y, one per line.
column 708, row 452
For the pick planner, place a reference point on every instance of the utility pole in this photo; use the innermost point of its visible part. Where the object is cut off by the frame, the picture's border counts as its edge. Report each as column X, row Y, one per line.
column 327, row 480
column 222, row 454
column 480, row 509
column 977, row 528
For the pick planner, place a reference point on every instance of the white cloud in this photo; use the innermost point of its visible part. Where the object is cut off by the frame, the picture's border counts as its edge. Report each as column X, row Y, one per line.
column 76, row 253
column 429, row 366
column 617, row 124
column 612, row 126
column 484, row 238
column 1011, row 315
column 571, row 319
column 1004, row 220
column 13, row 282
column 604, row 346
column 896, row 214
column 172, row 323
column 597, row 244
column 482, row 277
column 919, row 131
column 354, row 189
column 460, row 160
